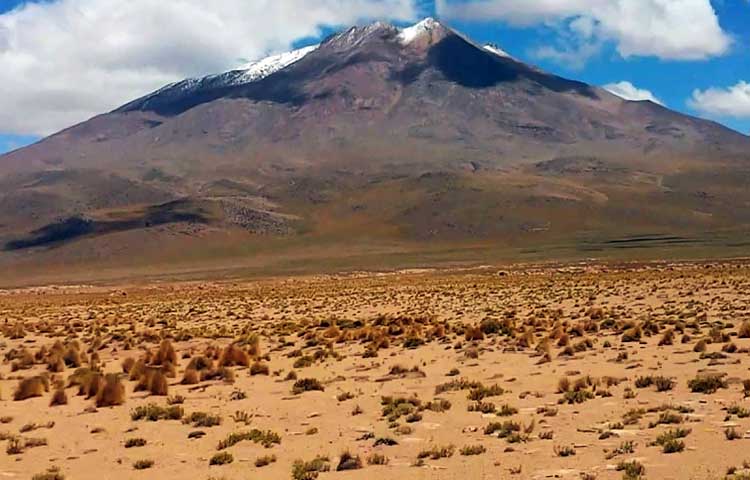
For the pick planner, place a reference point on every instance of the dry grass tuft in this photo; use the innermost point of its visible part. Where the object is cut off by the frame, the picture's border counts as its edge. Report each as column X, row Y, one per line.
column 112, row 393
column 31, row 387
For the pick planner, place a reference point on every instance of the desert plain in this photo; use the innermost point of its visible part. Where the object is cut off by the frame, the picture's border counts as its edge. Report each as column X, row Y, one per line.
column 583, row 371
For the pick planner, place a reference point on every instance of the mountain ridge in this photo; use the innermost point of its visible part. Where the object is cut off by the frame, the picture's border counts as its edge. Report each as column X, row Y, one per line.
column 381, row 136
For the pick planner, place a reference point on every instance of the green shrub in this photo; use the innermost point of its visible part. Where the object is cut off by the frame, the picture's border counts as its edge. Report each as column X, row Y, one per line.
column 153, row 412
column 309, row 470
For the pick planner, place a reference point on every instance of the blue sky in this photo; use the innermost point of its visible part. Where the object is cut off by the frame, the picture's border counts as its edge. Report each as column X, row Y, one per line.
column 669, row 53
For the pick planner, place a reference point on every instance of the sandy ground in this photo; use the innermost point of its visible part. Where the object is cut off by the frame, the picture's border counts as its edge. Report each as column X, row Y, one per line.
column 405, row 335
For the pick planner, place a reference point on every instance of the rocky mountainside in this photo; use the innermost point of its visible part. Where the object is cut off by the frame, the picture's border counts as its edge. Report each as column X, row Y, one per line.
column 378, row 136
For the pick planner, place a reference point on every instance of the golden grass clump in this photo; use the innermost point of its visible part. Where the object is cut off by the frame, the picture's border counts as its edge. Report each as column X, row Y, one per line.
column 154, row 381
column 252, row 345
column 137, row 370
column 23, row 361
column 169, row 370
column 31, row 387
column 191, row 377
column 159, row 385
column 259, row 368
column 127, row 365
column 200, row 363
column 165, row 354
column 90, row 384
column 112, row 392
column 73, row 357
column 233, row 355
column 55, row 363
column 473, row 333
column 59, row 397
column 744, row 331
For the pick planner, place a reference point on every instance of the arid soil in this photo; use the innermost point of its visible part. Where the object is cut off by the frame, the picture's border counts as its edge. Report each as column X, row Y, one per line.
column 592, row 372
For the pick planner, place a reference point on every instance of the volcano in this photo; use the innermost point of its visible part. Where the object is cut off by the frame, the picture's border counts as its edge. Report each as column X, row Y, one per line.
column 378, row 146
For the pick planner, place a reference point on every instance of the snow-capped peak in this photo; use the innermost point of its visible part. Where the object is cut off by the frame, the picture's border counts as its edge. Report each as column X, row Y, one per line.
column 267, row 66
column 409, row 34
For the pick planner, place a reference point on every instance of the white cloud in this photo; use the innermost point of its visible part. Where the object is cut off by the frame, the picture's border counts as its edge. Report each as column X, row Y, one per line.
column 723, row 102
column 668, row 29
column 574, row 54
column 66, row 60
column 628, row 91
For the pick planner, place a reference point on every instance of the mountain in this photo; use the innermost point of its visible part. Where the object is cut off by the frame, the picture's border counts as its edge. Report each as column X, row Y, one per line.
column 416, row 143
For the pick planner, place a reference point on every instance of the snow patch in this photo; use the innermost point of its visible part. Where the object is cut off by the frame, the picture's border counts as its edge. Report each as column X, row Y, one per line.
column 497, row 51
column 410, row 34
column 261, row 69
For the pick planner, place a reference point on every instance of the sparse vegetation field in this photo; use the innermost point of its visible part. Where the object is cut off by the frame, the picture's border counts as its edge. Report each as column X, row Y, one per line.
column 588, row 371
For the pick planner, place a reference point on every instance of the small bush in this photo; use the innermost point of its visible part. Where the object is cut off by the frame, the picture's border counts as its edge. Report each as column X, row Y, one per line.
column 388, row 442
column 564, row 451
column 344, row 396
column 266, row 438
column 576, row 396
column 202, row 419
column 143, row 464
column 667, row 418
column 480, row 392
column 309, row 470
column 377, row 459
column 347, row 461
column 436, row 452
column 153, row 412
column 664, row 384
column 52, row 473
column 457, row 385
column 731, row 433
column 632, row 470
column 707, row 383
column 241, row 416
column 135, row 442
column 673, row 446
column 469, row 450
column 265, row 460
column 644, row 382
column 504, row 429
column 670, row 440
column 259, row 368
column 438, row 405
column 221, row 458
column 307, row 385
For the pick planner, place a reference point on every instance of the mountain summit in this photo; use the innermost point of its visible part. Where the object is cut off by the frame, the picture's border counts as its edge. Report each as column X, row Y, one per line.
column 379, row 138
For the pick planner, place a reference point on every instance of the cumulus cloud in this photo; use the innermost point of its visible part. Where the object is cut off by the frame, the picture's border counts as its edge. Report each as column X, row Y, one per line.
column 66, row 60
column 667, row 29
column 628, row 91
column 723, row 102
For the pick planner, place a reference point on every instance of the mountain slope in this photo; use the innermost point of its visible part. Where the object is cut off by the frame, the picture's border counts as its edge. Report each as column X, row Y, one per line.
column 379, row 136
